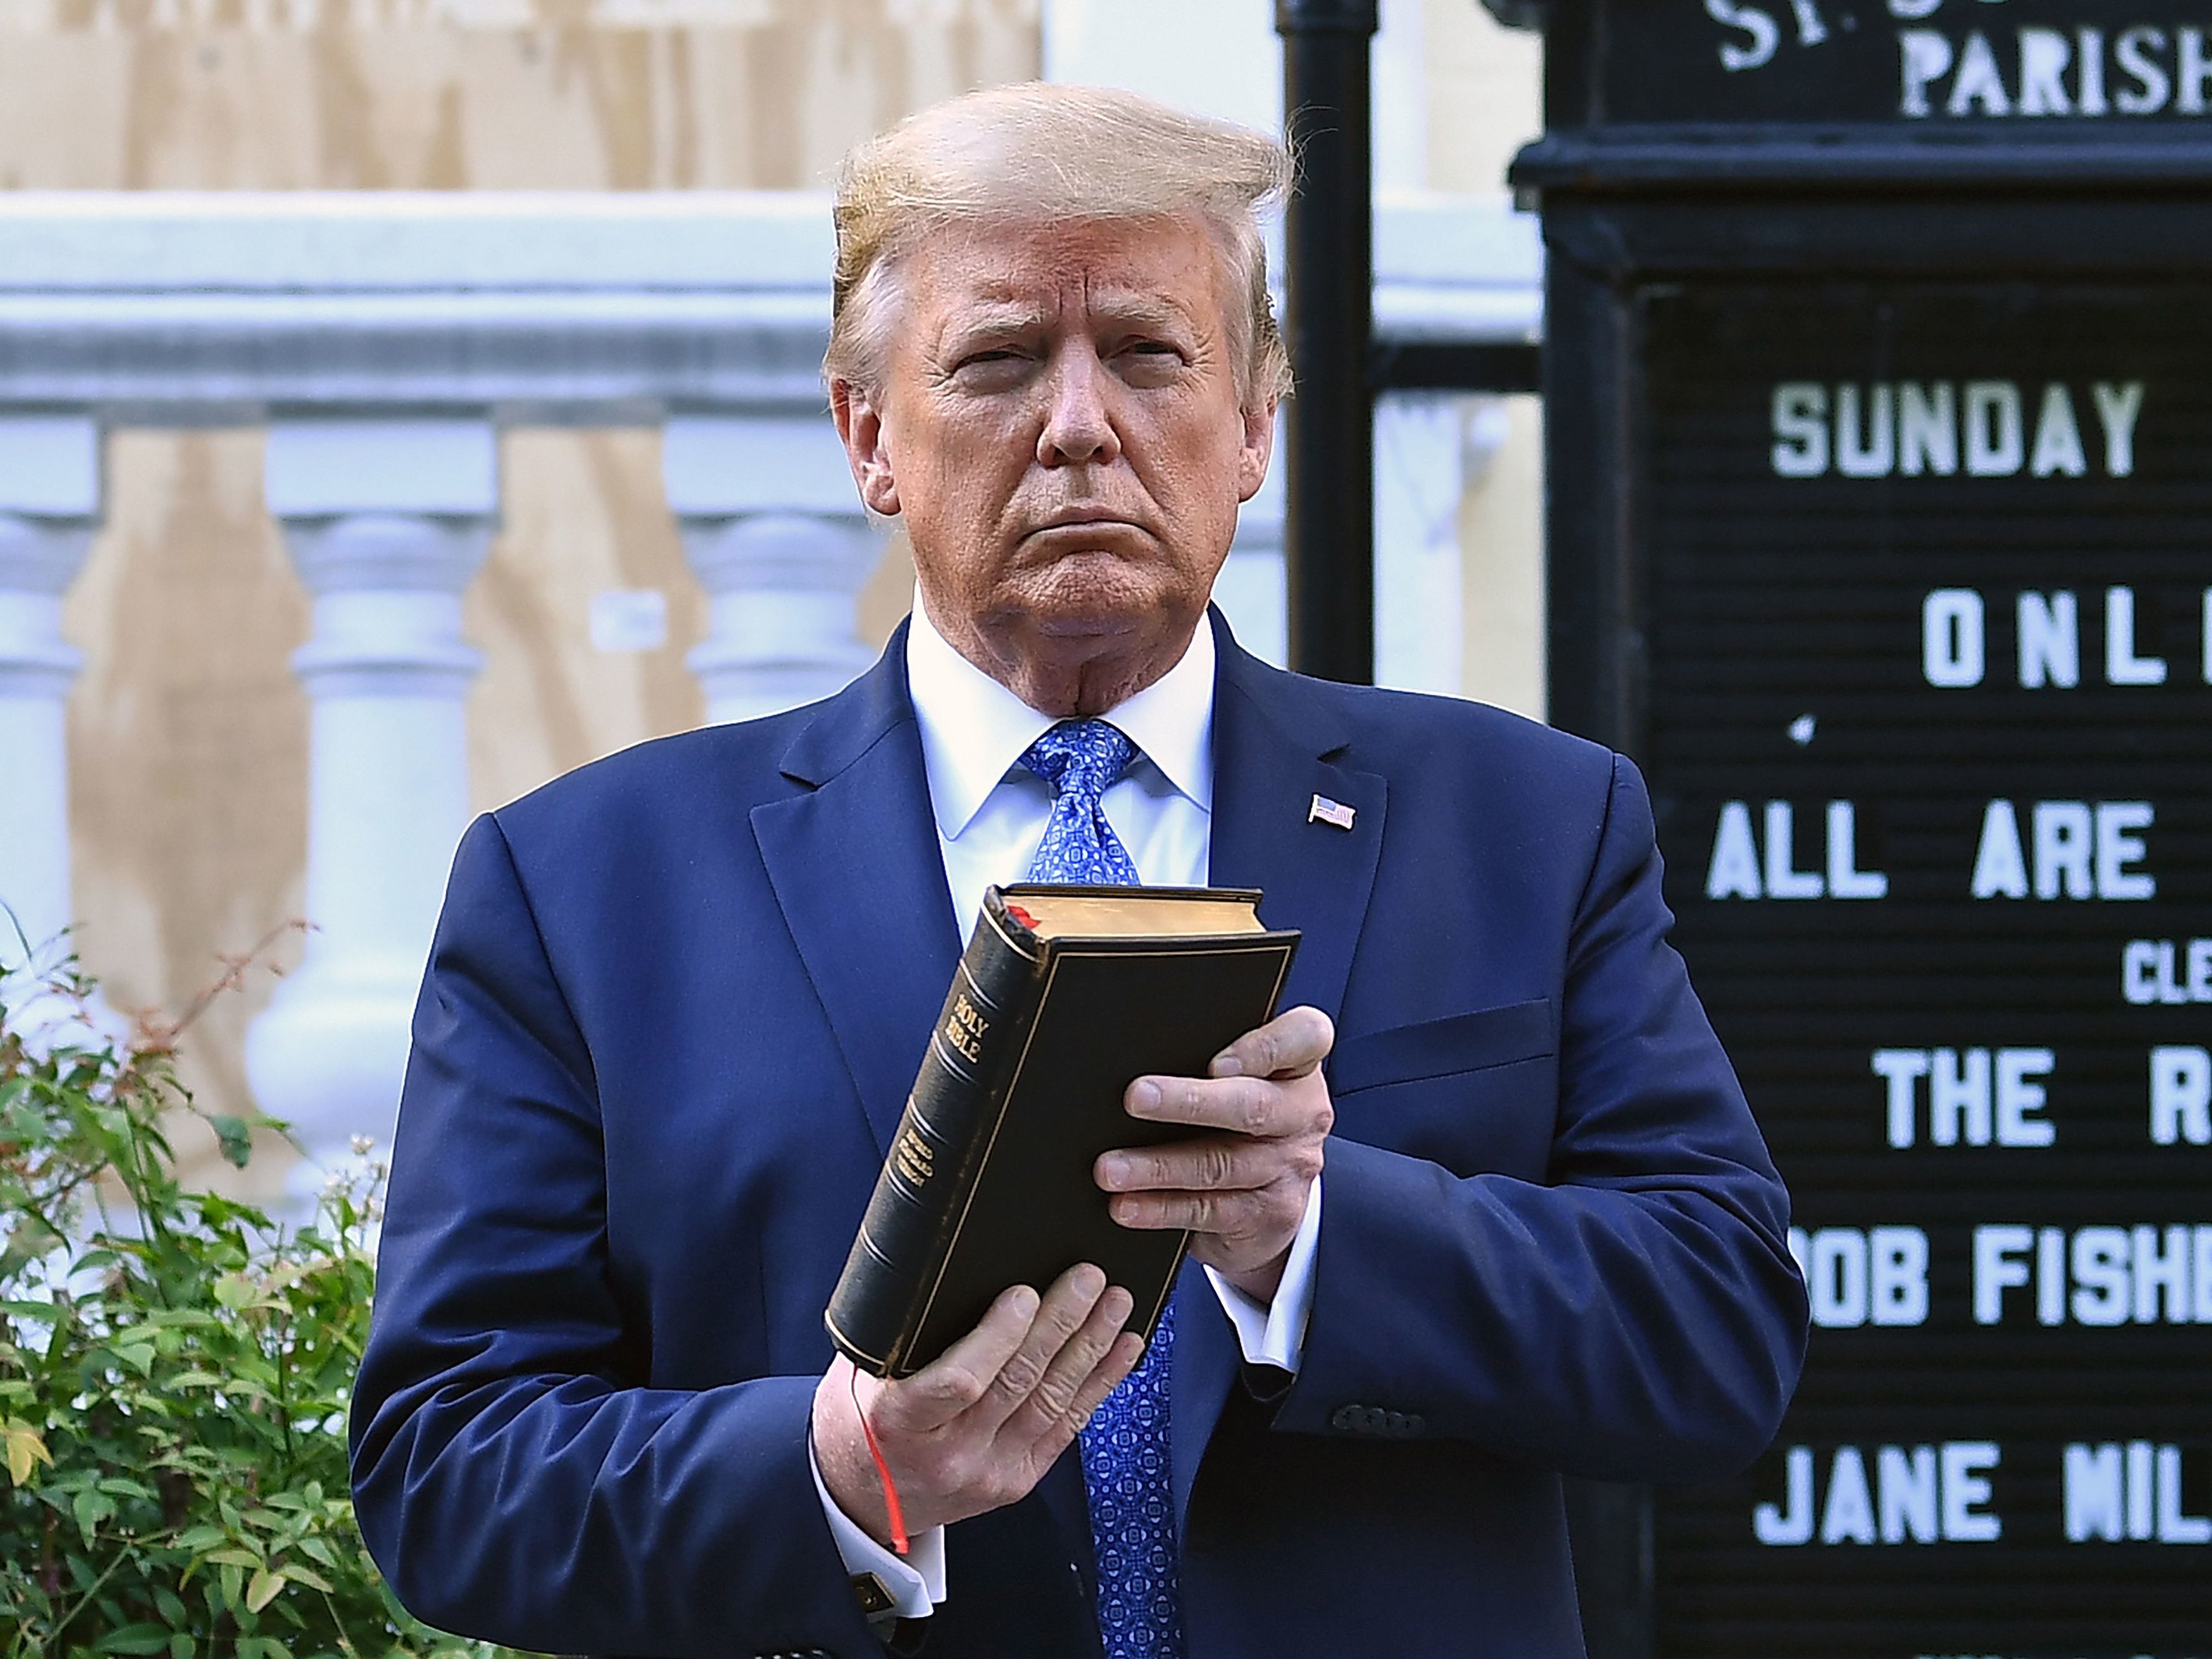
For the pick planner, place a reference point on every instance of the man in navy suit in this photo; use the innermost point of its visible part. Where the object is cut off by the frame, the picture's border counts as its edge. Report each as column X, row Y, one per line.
column 1485, row 1207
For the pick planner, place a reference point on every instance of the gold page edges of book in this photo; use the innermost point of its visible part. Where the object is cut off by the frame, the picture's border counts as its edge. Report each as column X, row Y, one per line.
column 1133, row 912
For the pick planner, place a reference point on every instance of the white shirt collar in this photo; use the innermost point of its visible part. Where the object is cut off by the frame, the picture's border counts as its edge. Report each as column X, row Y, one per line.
column 973, row 730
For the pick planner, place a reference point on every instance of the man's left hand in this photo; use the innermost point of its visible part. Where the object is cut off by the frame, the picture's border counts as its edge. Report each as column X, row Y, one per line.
column 1242, row 1190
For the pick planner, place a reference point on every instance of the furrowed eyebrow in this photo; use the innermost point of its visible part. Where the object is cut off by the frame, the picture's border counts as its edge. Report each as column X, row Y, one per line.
column 987, row 320
column 1139, row 311
column 1127, row 311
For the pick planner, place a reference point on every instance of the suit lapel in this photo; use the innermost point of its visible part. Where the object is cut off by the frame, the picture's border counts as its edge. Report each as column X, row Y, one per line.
column 1277, row 743
column 856, row 868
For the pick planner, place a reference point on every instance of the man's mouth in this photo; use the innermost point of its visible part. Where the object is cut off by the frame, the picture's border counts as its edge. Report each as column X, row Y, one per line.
column 1074, row 522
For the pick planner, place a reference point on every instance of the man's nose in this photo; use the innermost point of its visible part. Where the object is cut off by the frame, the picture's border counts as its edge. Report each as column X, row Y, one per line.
column 1079, row 427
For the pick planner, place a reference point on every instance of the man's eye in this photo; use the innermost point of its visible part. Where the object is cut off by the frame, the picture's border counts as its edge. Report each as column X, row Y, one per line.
column 1151, row 363
column 984, row 359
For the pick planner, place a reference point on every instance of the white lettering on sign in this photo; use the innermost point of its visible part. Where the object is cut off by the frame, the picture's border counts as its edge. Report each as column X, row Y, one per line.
column 1740, row 869
column 2097, row 1276
column 2181, row 1096
column 2123, row 665
column 2080, row 850
column 1954, row 648
column 2130, row 1492
column 1754, row 32
column 2166, row 970
column 2032, row 72
column 1869, row 1276
column 1761, row 34
column 1918, row 1495
column 1974, row 1097
column 1912, row 429
column 2050, row 633
column 1955, row 639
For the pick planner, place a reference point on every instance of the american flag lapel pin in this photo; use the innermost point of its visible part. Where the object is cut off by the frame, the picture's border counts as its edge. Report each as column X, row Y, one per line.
column 1325, row 811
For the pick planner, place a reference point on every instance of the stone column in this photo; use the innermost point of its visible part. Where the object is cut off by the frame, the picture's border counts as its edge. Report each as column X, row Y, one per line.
column 50, row 505
column 774, row 529
column 387, row 521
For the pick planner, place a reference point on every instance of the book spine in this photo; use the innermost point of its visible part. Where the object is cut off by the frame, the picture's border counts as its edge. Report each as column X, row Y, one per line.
column 907, row 1230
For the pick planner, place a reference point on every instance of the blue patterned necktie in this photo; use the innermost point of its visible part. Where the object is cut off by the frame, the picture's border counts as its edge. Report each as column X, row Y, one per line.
column 1125, row 1444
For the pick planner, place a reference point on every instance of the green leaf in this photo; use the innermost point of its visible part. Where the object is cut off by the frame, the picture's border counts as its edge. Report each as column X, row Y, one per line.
column 299, row 1575
column 90, row 1509
column 316, row 1548
column 134, row 1638
column 25, row 1449
column 233, row 1135
column 180, row 1645
column 263, row 1590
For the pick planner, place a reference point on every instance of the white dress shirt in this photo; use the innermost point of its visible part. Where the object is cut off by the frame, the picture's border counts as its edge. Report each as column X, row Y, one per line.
column 991, row 813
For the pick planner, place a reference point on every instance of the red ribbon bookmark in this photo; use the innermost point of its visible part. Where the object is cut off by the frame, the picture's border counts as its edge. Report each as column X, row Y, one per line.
column 891, row 1509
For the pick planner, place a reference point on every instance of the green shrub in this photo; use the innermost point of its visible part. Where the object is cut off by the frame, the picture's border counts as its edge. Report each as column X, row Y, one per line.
column 173, row 1378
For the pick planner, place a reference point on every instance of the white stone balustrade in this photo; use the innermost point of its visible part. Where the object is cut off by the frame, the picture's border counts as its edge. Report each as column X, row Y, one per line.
column 50, row 505
column 775, row 530
column 338, row 319
column 387, row 522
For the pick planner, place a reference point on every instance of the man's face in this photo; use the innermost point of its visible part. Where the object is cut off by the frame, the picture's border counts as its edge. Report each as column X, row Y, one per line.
column 1060, row 426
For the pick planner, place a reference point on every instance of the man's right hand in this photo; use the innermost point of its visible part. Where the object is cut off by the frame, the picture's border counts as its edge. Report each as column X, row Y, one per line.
column 977, row 1429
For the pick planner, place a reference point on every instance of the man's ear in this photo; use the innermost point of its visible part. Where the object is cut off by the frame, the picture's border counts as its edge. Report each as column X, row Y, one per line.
column 1258, row 445
column 860, row 429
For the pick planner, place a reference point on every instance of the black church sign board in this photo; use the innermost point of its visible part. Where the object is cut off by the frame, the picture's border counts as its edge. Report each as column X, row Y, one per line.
column 1879, row 391
column 1926, row 62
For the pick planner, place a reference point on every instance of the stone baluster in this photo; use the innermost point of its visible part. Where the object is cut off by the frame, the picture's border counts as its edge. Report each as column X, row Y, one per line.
column 50, row 505
column 774, row 529
column 386, row 521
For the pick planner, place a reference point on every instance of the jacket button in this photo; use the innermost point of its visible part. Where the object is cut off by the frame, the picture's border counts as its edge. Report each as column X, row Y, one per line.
column 1377, row 1421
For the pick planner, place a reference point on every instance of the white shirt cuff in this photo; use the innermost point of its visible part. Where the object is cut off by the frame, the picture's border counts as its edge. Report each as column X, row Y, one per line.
column 1274, row 1334
column 915, row 1580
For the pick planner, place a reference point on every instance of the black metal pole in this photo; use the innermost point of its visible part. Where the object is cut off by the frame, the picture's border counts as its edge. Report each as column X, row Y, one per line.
column 1329, row 269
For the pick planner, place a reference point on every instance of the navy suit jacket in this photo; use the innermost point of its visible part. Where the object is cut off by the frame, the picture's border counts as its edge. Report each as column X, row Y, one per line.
column 674, row 1005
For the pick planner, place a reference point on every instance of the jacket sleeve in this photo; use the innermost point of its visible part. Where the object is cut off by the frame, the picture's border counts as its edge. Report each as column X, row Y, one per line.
column 1637, row 1315
column 514, row 1476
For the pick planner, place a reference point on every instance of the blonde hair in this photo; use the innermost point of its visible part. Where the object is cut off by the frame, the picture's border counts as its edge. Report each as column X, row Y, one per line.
column 1035, row 153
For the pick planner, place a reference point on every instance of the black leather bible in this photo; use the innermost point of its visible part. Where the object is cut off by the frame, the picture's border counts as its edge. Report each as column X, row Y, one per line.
column 1065, row 995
